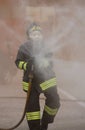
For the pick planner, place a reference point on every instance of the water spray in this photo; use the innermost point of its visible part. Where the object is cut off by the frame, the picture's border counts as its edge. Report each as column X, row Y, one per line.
column 11, row 31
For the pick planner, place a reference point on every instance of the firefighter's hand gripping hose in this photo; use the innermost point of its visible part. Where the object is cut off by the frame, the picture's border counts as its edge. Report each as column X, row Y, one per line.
column 27, row 100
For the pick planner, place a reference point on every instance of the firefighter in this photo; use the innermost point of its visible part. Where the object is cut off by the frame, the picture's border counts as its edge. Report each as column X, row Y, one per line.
column 44, row 80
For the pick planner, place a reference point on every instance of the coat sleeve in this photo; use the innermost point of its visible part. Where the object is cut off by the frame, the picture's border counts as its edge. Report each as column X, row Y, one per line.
column 20, row 59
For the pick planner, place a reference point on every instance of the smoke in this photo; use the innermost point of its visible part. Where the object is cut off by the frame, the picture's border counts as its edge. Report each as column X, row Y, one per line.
column 68, row 35
column 53, row 44
column 65, row 43
column 44, row 52
column 65, row 34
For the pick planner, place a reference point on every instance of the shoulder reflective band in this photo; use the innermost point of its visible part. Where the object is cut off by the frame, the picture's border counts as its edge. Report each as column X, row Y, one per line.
column 24, row 66
column 33, row 115
column 50, row 111
column 47, row 84
column 20, row 64
column 25, row 86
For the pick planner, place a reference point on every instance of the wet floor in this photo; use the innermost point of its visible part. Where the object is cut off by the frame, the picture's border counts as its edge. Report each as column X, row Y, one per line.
column 71, row 115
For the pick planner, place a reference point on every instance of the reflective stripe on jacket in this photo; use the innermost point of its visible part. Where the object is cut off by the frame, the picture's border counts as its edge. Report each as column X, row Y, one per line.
column 48, row 84
column 25, row 86
column 23, row 56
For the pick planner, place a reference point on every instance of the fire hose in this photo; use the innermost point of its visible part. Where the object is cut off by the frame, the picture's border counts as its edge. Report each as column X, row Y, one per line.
column 27, row 100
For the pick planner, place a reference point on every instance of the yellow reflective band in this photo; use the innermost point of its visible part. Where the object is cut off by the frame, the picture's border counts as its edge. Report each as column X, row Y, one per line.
column 47, row 84
column 33, row 115
column 25, row 86
column 35, row 28
column 50, row 111
column 20, row 64
column 25, row 64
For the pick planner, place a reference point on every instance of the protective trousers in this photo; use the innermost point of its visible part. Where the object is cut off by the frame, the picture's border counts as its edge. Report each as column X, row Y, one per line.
column 52, row 103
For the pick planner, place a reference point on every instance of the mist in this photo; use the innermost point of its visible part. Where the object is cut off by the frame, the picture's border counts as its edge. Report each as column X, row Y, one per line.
column 63, row 29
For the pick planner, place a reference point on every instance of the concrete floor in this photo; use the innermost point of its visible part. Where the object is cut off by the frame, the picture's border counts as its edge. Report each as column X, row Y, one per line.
column 71, row 115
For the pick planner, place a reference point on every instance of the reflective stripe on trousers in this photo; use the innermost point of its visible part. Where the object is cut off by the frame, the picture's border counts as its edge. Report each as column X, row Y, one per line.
column 33, row 115
column 50, row 110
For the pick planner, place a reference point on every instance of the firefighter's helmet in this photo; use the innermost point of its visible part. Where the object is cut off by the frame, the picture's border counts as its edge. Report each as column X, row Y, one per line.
column 34, row 32
column 33, row 27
